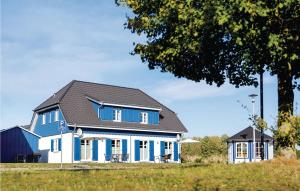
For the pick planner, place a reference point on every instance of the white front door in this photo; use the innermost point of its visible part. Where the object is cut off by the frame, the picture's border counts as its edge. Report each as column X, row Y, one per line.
column 144, row 151
column 86, row 150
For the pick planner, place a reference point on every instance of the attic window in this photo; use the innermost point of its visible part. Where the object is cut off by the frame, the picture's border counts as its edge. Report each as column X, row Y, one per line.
column 117, row 113
column 44, row 119
column 56, row 115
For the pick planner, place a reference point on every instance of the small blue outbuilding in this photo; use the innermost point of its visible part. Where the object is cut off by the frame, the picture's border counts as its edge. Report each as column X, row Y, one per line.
column 18, row 143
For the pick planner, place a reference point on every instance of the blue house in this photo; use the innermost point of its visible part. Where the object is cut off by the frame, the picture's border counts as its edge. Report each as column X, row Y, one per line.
column 18, row 143
column 241, row 148
column 90, row 122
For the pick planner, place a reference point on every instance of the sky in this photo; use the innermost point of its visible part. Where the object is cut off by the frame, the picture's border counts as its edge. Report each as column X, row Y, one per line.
column 46, row 44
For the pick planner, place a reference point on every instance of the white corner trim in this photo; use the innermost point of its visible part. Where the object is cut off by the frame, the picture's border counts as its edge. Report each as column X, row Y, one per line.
column 123, row 105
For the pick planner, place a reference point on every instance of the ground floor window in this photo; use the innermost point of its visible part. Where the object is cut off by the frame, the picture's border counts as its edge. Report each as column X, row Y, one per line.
column 116, row 146
column 257, row 149
column 86, row 150
column 242, row 150
column 55, row 145
column 144, row 151
column 168, row 148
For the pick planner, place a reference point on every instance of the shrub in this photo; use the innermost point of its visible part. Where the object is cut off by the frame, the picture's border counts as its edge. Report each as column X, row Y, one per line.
column 209, row 148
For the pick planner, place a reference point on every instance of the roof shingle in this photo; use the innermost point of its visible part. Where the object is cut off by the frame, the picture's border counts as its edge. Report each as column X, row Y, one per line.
column 77, row 108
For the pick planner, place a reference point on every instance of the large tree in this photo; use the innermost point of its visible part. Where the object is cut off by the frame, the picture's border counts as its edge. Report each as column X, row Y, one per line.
column 215, row 40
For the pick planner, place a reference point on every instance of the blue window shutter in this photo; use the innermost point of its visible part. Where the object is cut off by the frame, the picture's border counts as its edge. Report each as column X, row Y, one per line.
column 95, row 150
column 124, row 146
column 137, row 150
column 162, row 148
column 59, row 144
column 76, row 149
column 151, row 154
column 175, row 151
column 266, row 148
column 108, row 150
column 52, row 145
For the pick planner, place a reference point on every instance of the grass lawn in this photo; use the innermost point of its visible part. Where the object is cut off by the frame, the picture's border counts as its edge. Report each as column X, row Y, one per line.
column 275, row 175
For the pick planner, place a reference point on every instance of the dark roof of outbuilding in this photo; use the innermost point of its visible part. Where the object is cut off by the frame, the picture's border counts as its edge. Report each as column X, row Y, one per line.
column 77, row 108
column 247, row 135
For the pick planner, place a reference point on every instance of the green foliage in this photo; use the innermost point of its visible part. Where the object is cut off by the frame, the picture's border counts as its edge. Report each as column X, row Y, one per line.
column 287, row 131
column 213, row 148
column 213, row 40
column 271, row 175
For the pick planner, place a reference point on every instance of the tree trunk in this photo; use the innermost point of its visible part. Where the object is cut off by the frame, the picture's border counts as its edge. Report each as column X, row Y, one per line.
column 285, row 108
column 285, row 92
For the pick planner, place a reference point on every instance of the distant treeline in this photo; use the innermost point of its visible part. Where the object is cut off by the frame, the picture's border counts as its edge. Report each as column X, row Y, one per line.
column 209, row 149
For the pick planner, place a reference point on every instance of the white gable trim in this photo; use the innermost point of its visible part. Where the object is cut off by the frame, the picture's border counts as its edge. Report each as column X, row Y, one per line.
column 123, row 105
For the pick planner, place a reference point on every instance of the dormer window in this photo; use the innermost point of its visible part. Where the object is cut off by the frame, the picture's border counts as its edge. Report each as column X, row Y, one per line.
column 50, row 116
column 44, row 119
column 144, row 116
column 117, row 113
column 56, row 115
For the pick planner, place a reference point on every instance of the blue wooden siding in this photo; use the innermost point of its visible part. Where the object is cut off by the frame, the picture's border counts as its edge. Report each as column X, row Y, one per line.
column 250, row 151
column 128, row 114
column 16, row 141
column 50, row 127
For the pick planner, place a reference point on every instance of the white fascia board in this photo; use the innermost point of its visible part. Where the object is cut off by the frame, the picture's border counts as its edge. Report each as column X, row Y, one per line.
column 47, row 108
column 123, row 105
column 127, row 129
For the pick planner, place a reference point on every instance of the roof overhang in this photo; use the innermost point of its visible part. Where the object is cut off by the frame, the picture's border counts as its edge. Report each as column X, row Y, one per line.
column 122, row 129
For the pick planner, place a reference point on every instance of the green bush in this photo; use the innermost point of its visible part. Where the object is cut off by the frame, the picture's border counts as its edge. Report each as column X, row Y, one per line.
column 209, row 148
column 298, row 154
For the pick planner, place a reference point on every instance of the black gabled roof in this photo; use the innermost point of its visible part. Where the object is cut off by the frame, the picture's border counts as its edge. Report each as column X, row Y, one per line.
column 247, row 135
column 77, row 108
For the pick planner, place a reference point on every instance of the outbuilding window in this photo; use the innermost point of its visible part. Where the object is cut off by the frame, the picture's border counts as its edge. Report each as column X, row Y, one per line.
column 257, row 149
column 241, row 150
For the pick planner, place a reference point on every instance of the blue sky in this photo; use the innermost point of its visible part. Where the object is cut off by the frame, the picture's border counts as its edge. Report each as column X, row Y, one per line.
column 46, row 44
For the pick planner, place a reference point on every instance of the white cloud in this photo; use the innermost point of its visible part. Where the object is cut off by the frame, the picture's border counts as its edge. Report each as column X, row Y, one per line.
column 182, row 89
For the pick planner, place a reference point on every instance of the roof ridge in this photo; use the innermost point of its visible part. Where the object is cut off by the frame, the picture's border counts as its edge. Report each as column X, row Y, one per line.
column 69, row 86
column 105, row 84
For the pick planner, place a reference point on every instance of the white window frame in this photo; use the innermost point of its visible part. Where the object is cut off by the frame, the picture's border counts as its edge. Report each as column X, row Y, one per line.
column 117, row 115
column 257, row 152
column 236, row 151
column 169, row 149
column 43, row 118
column 50, row 117
column 145, row 118
column 142, row 154
column 56, row 115
column 55, row 145
column 85, row 149
column 113, row 149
